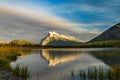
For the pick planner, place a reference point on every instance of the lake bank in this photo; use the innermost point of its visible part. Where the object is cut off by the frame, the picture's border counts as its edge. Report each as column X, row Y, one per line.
column 52, row 63
column 6, row 71
column 58, row 63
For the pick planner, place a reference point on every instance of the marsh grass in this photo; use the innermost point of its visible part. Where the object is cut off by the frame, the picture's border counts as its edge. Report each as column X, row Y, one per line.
column 21, row 72
column 100, row 73
column 6, row 58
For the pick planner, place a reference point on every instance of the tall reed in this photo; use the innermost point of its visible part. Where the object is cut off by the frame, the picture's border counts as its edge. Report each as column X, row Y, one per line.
column 100, row 73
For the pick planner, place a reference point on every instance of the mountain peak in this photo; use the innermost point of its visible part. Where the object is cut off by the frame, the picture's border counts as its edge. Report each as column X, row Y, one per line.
column 52, row 33
column 59, row 39
column 117, row 25
column 112, row 33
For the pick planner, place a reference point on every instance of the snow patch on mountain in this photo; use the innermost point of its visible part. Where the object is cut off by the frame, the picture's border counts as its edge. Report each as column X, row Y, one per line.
column 54, row 37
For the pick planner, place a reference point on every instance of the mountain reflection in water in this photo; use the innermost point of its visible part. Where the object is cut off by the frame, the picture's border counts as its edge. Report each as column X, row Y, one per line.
column 55, row 57
column 55, row 64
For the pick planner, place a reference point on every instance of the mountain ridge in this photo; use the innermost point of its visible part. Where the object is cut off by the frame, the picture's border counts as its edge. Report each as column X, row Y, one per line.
column 54, row 38
column 113, row 33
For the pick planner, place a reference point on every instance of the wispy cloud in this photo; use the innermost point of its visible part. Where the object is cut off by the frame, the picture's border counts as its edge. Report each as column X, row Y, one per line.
column 84, row 19
column 82, row 11
column 16, row 16
column 19, row 21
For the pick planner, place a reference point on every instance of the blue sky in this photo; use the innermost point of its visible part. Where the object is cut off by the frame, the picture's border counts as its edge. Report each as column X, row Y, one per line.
column 84, row 19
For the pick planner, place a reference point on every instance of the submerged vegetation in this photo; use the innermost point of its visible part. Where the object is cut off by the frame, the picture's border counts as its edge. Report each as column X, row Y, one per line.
column 6, row 71
column 99, row 73
column 21, row 72
column 9, row 54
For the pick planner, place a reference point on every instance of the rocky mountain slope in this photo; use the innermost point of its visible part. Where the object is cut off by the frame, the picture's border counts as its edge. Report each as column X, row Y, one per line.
column 55, row 39
column 112, row 33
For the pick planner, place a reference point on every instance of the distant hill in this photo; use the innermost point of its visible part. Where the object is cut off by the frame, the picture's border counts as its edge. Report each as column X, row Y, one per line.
column 106, row 43
column 112, row 33
column 55, row 39
column 21, row 42
column 3, row 42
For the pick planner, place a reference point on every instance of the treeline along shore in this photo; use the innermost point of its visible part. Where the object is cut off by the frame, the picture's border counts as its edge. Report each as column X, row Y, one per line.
column 98, row 44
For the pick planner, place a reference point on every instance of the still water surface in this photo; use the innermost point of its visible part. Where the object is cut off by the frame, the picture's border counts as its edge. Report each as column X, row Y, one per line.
column 57, row 64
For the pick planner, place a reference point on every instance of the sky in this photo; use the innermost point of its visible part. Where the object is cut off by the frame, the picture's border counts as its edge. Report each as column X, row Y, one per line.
column 33, row 19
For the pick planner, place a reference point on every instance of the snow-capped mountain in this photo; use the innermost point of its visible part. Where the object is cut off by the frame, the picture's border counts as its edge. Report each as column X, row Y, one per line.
column 55, row 39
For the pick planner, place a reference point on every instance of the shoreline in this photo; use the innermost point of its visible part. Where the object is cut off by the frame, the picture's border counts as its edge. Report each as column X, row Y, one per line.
column 7, row 75
column 46, row 47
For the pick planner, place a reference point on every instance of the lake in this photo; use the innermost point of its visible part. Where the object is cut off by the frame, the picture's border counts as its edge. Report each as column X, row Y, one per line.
column 57, row 64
